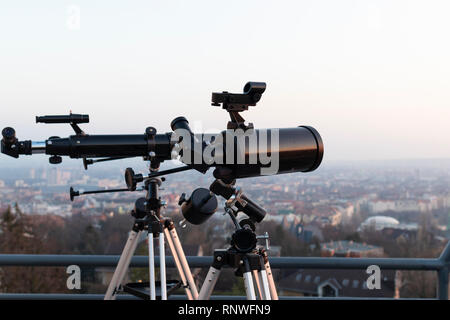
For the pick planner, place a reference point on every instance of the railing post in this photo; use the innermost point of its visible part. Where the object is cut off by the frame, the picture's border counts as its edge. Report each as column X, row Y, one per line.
column 442, row 293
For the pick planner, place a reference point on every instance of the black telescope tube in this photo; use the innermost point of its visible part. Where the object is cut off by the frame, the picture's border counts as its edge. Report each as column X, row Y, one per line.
column 297, row 149
column 96, row 146
column 264, row 152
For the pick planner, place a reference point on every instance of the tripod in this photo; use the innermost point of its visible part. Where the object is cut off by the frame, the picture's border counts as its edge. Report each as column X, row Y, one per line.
column 251, row 262
column 148, row 219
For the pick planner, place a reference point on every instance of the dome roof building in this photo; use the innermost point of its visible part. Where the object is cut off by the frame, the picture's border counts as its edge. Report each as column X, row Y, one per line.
column 379, row 223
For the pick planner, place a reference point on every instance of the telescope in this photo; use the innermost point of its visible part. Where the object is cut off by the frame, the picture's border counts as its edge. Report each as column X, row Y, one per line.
column 241, row 151
column 300, row 149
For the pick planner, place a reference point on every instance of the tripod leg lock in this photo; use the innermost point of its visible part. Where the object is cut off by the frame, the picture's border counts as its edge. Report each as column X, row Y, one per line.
column 220, row 259
column 254, row 264
column 155, row 227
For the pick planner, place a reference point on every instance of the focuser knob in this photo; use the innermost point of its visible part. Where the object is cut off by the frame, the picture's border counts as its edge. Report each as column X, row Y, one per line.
column 150, row 132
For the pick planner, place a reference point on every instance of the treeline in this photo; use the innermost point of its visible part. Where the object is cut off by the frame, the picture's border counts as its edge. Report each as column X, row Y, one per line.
column 49, row 234
column 83, row 234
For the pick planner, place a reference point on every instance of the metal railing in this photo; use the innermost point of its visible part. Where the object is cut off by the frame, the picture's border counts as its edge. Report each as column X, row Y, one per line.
column 441, row 265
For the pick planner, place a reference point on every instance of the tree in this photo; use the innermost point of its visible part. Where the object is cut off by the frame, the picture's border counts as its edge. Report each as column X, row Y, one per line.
column 17, row 236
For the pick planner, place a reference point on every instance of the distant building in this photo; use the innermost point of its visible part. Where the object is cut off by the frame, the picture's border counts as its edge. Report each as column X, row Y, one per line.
column 336, row 283
column 307, row 233
column 379, row 223
column 403, row 205
column 20, row 183
column 350, row 248
column 326, row 215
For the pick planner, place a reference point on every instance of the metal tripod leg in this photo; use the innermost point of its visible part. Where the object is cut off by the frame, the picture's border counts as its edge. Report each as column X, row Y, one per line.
column 265, row 284
column 151, row 263
column 178, row 264
column 162, row 267
column 257, row 279
column 122, row 266
column 183, row 262
column 248, row 281
column 271, row 282
column 209, row 284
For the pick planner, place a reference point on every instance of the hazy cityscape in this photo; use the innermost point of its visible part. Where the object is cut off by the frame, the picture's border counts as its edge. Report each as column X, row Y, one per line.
column 380, row 209
column 334, row 195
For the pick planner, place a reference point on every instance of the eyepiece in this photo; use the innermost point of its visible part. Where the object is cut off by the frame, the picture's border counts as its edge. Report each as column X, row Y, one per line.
column 180, row 123
column 9, row 136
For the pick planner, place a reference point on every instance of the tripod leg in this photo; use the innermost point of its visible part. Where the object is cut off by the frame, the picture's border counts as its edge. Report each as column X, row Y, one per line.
column 258, row 284
column 151, row 256
column 209, row 284
column 178, row 264
column 122, row 266
column 162, row 267
column 248, row 281
column 271, row 282
column 265, row 284
column 183, row 261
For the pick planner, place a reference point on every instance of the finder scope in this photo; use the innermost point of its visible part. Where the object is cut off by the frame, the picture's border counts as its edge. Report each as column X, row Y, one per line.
column 71, row 118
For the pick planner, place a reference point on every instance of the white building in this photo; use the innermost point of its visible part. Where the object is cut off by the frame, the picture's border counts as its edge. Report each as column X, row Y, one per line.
column 378, row 223
column 379, row 206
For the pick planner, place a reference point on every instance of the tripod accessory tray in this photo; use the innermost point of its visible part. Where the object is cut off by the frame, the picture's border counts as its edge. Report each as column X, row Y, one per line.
column 142, row 289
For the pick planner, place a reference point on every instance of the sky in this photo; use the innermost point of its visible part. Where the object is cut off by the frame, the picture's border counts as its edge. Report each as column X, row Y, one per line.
column 373, row 77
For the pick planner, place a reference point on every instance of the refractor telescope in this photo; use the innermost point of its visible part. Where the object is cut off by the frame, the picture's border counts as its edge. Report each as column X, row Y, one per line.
column 241, row 151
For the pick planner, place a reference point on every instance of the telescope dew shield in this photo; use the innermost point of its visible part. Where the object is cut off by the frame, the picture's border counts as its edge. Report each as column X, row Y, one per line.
column 299, row 149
